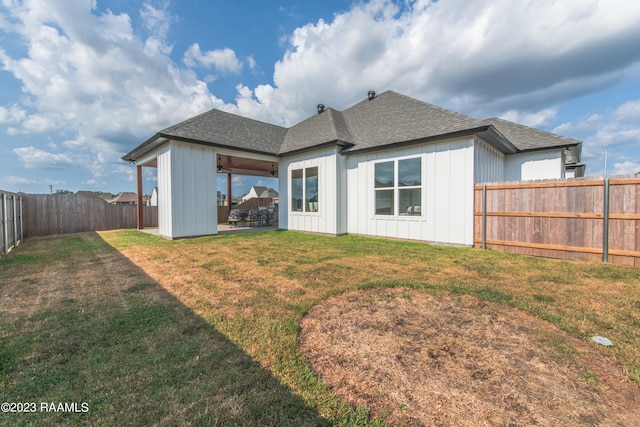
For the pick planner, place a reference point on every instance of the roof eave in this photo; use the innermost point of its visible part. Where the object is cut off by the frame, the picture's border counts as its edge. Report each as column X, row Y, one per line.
column 328, row 144
column 498, row 141
column 149, row 145
column 214, row 144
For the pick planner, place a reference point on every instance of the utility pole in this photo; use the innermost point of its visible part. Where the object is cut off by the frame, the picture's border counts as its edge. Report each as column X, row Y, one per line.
column 606, row 154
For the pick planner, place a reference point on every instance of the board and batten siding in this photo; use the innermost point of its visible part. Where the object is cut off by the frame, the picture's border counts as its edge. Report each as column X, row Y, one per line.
column 447, row 194
column 534, row 165
column 187, row 190
column 489, row 165
column 331, row 215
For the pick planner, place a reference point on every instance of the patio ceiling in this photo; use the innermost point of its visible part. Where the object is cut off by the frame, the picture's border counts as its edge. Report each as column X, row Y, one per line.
column 237, row 165
column 244, row 166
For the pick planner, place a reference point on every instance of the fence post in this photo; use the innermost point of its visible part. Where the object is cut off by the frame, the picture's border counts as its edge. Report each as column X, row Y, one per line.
column 21, row 223
column 5, row 225
column 484, row 216
column 605, row 223
column 15, row 222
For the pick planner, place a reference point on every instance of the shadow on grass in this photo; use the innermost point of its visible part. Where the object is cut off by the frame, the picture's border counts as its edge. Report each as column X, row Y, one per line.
column 130, row 351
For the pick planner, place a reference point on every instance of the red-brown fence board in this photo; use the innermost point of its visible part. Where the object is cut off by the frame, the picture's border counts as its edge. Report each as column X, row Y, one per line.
column 562, row 218
column 46, row 214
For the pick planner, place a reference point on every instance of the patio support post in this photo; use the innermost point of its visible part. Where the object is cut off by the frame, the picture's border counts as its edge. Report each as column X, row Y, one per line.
column 229, row 197
column 140, row 214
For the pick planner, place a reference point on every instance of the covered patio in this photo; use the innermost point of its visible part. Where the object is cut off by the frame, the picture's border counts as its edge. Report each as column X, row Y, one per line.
column 191, row 179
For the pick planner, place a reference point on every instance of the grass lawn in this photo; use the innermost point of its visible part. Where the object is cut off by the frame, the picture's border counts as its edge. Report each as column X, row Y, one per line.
column 204, row 331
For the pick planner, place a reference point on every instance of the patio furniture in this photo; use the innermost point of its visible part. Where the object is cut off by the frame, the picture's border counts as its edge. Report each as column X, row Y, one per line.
column 236, row 216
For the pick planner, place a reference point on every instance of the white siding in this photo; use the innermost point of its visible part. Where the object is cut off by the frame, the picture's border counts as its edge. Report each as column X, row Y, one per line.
column 489, row 163
column 330, row 216
column 447, row 194
column 164, row 192
column 535, row 165
column 187, row 191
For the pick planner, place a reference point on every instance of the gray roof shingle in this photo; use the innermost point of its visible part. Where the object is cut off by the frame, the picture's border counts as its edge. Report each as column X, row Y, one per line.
column 528, row 138
column 328, row 126
column 222, row 128
column 389, row 118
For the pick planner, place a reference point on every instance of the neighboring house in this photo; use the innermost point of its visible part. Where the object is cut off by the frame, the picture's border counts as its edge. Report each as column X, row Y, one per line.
column 260, row 192
column 388, row 166
column 153, row 200
column 86, row 193
column 125, row 198
column 107, row 197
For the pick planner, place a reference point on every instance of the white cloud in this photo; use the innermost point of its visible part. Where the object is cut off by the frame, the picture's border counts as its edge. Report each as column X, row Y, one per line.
column 13, row 114
column 536, row 119
column 224, row 60
column 626, row 168
column 251, row 62
column 87, row 74
column 616, row 132
column 157, row 20
column 35, row 158
column 18, row 180
column 491, row 56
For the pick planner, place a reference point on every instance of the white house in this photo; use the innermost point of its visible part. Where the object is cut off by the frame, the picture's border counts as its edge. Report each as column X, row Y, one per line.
column 260, row 192
column 153, row 200
column 388, row 166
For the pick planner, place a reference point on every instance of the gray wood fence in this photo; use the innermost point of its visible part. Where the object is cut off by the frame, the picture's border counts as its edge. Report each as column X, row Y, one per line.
column 46, row 214
column 11, row 222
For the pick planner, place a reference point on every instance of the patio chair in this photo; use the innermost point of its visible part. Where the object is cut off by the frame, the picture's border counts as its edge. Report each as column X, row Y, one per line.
column 253, row 217
column 236, row 216
column 263, row 216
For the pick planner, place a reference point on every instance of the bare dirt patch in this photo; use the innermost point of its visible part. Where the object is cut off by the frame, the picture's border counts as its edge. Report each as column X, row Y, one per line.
column 419, row 359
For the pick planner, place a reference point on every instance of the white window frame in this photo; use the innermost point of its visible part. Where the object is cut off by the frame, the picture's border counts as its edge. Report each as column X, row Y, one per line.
column 397, row 188
column 306, row 210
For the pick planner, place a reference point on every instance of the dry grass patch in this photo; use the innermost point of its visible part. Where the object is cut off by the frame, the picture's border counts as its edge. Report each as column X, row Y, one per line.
column 418, row 359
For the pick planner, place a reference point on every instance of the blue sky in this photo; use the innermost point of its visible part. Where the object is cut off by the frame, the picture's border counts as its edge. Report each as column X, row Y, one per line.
column 82, row 82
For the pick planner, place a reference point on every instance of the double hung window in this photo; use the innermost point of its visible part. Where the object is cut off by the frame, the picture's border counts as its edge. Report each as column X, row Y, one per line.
column 398, row 187
column 304, row 190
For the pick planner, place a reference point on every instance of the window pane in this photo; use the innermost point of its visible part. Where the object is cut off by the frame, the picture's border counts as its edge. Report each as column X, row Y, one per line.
column 311, row 188
column 296, row 190
column 409, row 172
column 384, row 174
column 410, row 202
column 384, row 202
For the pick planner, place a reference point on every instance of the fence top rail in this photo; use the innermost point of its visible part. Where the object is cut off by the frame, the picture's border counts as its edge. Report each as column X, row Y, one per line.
column 580, row 182
column 540, row 185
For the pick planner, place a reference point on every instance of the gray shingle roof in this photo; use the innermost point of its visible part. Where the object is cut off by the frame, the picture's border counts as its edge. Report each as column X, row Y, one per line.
column 222, row 128
column 528, row 138
column 328, row 126
column 389, row 118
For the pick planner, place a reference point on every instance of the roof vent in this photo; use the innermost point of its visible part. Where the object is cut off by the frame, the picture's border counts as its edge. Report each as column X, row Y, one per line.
column 320, row 108
column 371, row 94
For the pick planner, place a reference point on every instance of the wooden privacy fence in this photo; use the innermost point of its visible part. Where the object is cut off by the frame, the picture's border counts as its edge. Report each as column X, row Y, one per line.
column 581, row 218
column 12, row 231
column 46, row 214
